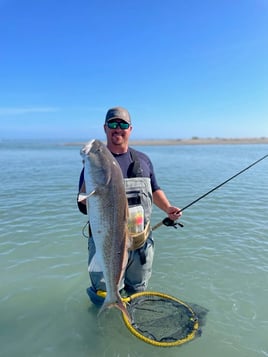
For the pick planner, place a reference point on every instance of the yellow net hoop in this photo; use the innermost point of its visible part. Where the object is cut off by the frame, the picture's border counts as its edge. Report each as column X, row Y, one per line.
column 190, row 336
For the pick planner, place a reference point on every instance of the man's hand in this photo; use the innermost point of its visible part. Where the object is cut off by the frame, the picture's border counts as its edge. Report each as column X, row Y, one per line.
column 174, row 213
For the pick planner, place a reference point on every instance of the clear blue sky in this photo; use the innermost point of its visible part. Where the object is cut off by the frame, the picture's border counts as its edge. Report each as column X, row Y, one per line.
column 182, row 68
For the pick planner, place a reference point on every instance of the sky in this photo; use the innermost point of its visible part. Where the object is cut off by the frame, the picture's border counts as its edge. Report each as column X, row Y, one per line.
column 183, row 68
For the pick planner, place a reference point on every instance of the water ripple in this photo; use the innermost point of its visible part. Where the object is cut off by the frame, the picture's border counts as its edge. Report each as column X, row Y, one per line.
column 217, row 260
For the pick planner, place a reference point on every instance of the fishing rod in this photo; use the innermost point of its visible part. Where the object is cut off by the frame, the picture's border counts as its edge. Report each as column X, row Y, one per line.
column 168, row 222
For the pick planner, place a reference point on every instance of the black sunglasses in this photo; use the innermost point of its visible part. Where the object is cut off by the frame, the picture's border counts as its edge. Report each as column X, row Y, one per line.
column 115, row 124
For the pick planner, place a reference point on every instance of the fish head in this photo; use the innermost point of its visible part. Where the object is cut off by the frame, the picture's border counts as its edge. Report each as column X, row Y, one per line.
column 97, row 162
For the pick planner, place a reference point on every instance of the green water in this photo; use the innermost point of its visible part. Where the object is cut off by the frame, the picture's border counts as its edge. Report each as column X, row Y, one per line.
column 219, row 259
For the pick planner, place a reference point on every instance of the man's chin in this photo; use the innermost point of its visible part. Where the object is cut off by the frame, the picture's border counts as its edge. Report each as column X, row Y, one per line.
column 117, row 140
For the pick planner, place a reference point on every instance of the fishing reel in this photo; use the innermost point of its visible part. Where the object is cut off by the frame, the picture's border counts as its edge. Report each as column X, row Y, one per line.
column 169, row 223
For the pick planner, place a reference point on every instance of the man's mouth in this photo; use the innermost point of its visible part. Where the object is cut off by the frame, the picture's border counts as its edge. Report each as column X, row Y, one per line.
column 118, row 135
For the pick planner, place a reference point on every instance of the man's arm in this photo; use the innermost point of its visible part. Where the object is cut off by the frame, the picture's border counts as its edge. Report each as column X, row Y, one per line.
column 161, row 201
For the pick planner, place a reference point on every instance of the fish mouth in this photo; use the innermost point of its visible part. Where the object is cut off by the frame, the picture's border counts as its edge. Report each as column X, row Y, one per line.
column 86, row 149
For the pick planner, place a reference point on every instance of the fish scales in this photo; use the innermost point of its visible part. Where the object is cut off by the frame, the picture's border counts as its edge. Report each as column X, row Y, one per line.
column 108, row 213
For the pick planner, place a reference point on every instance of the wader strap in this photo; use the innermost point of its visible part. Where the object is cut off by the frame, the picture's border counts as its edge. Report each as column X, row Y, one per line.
column 134, row 169
column 138, row 239
column 142, row 255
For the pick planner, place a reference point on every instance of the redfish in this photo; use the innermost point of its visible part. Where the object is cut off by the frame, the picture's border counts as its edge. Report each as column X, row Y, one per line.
column 108, row 214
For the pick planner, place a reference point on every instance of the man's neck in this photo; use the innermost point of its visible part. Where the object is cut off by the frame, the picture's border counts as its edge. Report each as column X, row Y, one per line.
column 118, row 149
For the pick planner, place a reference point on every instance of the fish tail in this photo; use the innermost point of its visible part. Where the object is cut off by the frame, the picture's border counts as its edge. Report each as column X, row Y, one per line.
column 118, row 304
column 121, row 306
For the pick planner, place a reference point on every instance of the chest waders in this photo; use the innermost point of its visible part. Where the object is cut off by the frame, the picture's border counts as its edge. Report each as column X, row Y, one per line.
column 139, row 195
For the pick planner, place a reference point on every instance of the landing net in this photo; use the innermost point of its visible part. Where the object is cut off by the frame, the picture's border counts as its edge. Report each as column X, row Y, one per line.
column 160, row 319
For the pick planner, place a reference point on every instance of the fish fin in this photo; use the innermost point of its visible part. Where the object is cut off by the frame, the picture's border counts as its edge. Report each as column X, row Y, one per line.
column 84, row 196
column 91, row 193
column 118, row 304
column 94, row 265
column 121, row 306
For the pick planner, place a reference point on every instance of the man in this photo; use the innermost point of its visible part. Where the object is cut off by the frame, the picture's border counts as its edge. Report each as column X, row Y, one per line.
column 142, row 190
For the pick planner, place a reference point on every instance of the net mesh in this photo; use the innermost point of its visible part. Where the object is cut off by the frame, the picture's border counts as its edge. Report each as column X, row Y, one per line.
column 162, row 319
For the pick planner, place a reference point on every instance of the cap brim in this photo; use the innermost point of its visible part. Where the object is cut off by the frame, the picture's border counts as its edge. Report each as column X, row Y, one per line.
column 118, row 119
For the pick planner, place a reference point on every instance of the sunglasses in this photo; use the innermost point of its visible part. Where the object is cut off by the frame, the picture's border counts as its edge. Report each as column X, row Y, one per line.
column 115, row 125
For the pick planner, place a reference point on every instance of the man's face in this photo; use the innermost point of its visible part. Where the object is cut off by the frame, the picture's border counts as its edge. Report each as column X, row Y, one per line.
column 116, row 134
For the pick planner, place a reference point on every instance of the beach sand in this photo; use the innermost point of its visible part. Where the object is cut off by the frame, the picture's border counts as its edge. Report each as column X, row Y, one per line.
column 192, row 141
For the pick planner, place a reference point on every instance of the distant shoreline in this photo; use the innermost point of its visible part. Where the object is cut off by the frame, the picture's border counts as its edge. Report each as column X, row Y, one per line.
column 192, row 141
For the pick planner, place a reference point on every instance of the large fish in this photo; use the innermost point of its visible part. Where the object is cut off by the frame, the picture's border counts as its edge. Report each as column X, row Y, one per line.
column 108, row 213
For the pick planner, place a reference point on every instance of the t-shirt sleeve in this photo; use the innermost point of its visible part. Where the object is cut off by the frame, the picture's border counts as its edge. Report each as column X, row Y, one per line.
column 154, row 183
column 148, row 169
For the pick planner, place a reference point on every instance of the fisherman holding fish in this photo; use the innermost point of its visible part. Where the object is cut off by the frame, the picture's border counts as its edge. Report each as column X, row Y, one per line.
column 119, row 205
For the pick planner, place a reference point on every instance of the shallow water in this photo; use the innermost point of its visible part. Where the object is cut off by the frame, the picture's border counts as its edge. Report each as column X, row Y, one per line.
column 219, row 259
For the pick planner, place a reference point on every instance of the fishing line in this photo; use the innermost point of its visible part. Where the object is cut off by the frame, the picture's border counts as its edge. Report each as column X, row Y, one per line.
column 168, row 222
